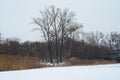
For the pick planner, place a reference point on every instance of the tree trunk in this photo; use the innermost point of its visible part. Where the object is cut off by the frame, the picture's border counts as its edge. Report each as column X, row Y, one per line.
column 50, row 52
column 61, row 51
column 56, row 46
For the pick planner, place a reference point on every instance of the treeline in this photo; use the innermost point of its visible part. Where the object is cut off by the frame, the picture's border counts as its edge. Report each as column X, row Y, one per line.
column 94, row 45
column 84, row 46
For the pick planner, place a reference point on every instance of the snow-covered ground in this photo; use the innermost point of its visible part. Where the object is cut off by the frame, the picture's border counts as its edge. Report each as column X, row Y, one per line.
column 99, row 72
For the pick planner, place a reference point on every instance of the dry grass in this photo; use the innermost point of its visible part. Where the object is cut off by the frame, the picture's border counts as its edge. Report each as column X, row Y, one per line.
column 8, row 62
column 76, row 61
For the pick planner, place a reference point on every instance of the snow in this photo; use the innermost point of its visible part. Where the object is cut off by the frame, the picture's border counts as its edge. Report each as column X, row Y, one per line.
column 54, row 64
column 98, row 72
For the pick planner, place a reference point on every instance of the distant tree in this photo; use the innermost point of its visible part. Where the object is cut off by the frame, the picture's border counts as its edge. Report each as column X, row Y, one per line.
column 94, row 38
column 26, row 48
column 56, row 25
column 13, row 45
column 91, row 45
column 114, row 41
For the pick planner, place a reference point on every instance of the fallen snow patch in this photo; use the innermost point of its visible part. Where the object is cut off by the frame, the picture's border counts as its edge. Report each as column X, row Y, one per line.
column 54, row 64
column 99, row 72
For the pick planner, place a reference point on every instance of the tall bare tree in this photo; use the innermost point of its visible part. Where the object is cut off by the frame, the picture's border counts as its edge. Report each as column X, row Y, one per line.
column 56, row 25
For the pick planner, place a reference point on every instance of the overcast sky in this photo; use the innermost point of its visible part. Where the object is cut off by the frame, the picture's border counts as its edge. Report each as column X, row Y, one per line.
column 95, row 15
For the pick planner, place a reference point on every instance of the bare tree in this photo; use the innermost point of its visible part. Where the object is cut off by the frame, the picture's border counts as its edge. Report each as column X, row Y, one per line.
column 114, row 41
column 56, row 25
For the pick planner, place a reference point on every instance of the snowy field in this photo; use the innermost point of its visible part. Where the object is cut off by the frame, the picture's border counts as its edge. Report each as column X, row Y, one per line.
column 99, row 72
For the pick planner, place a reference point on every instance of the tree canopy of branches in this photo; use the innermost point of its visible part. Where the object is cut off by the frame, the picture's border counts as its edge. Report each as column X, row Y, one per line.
column 55, row 25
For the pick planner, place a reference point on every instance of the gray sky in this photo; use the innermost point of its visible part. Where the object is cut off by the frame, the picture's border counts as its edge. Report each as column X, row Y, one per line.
column 95, row 15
